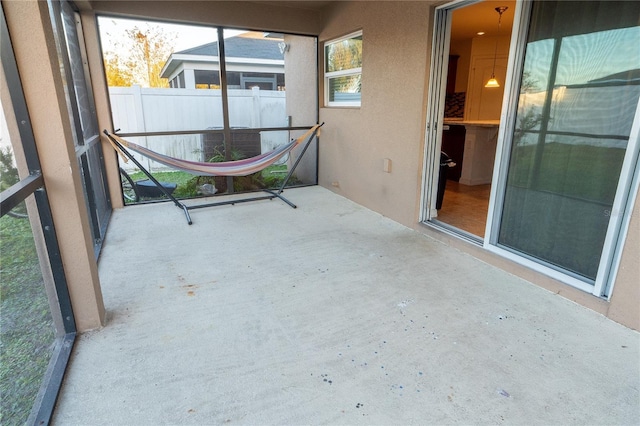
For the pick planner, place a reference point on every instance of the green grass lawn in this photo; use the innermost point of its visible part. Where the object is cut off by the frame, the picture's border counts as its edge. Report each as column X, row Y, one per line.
column 581, row 171
column 270, row 177
column 182, row 179
column 26, row 327
column 559, row 209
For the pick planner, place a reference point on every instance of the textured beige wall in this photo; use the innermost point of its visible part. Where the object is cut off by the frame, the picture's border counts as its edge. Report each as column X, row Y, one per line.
column 390, row 123
column 625, row 301
column 36, row 55
column 302, row 101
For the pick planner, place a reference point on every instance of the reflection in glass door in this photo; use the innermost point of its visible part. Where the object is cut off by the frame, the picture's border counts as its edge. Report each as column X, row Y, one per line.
column 579, row 93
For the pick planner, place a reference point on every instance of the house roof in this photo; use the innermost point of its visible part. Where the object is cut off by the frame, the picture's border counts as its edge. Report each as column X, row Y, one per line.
column 240, row 47
column 623, row 77
column 258, row 49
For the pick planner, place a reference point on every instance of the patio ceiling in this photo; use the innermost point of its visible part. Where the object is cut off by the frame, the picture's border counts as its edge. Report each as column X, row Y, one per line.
column 301, row 4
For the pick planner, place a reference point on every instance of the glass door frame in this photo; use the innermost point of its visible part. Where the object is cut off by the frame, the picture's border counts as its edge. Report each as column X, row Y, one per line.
column 435, row 105
column 435, row 112
column 626, row 191
column 628, row 184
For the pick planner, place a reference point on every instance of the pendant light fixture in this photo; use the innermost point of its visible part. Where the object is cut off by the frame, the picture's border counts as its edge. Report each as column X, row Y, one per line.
column 492, row 81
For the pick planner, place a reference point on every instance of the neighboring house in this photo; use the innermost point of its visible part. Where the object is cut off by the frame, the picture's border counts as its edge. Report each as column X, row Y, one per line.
column 251, row 62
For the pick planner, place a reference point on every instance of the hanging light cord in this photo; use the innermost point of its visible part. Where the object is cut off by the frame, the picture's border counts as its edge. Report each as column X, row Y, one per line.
column 500, row 11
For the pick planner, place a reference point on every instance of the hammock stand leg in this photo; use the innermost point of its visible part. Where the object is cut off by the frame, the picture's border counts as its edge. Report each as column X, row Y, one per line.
column 293, row 169
column 272, row 193
column 153, row 179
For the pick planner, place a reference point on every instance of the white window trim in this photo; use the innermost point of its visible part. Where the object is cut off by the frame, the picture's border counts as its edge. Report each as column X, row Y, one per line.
column 341, row 73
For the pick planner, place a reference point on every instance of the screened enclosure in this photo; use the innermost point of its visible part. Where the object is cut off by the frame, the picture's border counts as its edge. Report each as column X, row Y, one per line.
column 209, row 95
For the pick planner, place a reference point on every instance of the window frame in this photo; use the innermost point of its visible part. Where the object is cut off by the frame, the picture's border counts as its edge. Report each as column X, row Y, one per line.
column 342, row 73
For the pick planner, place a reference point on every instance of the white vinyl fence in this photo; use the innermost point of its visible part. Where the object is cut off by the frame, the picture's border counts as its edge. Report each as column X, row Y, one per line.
column 138, row 110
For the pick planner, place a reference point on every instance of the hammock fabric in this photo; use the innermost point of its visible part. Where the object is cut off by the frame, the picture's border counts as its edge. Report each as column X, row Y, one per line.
column 228, row 168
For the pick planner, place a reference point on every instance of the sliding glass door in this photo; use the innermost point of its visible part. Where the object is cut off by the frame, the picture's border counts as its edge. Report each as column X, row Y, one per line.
column 572, row 149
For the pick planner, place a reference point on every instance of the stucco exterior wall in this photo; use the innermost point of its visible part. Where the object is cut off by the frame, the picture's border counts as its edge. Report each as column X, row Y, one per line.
column 625, row 301
column 391, row 120
column 302, row 100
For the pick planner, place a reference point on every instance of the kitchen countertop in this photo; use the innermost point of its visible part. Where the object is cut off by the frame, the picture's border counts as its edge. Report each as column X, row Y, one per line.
column 479, row 123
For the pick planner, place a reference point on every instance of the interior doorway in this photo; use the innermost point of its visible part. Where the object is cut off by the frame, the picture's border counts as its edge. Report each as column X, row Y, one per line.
column 477, row 40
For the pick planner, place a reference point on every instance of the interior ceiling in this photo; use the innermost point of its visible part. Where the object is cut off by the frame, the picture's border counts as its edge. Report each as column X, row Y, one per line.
column 482, row 16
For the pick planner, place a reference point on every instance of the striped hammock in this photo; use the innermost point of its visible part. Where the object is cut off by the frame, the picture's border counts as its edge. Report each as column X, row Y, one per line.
column 228, row 168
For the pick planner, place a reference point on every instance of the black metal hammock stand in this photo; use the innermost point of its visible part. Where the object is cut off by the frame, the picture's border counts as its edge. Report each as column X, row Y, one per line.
column 228, row 168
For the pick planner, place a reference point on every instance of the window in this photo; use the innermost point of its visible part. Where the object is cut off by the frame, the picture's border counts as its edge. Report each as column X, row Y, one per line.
column 343, row 70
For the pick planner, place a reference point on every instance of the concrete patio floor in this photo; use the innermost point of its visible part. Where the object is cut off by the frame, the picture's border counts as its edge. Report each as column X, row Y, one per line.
column 331, row 314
